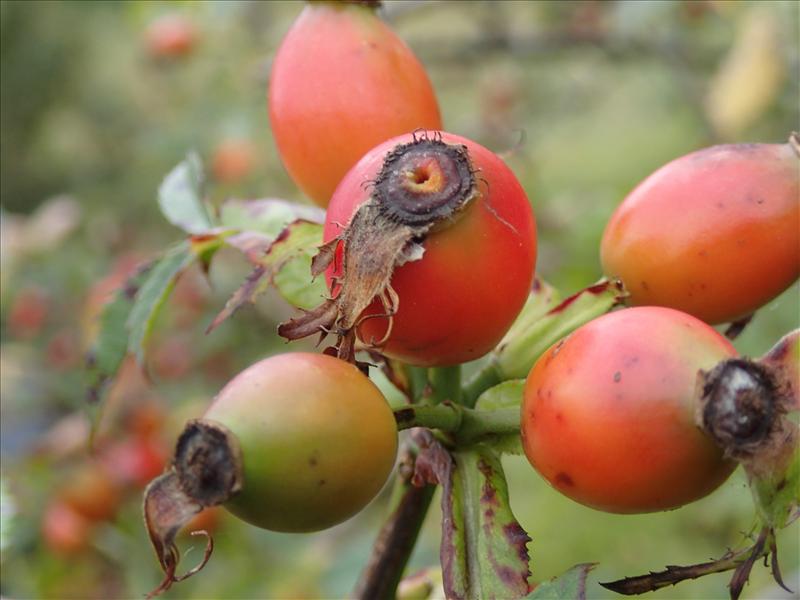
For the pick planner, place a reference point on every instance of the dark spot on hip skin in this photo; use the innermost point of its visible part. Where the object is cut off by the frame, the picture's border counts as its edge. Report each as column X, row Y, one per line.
column 564, row 480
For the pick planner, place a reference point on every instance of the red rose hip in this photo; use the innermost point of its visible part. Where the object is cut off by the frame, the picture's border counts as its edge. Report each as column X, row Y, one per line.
column 608, row 416
column 431, row 247
column 341, row 83
column 715, row 233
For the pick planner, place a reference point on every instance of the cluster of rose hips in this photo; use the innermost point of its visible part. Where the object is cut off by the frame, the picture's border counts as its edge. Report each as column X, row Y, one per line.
column 429, row 254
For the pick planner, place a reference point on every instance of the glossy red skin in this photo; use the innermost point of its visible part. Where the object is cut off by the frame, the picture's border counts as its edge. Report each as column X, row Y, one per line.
column 608, row 413
column 715, row 233
column 457, row 302
column 318, row 441
column 341, row 83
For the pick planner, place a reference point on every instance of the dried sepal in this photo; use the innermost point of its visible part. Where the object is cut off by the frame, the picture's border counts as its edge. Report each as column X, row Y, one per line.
column 423, row 186
column 735, row 328
column 738, row 407
column 743, row 406
column 783, row 359
column 206, row 471
column 166, row 510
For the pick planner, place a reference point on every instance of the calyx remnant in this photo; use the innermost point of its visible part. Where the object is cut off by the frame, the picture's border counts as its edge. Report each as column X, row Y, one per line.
column 206, row 471
column 422, row 186
column 743, row 406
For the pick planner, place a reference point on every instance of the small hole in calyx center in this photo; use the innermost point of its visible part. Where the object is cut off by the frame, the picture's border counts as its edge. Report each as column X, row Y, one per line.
column 420, row 175
column 425, row 177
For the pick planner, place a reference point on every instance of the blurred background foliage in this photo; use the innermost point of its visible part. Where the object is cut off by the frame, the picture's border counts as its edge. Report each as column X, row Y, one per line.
column 584, row 99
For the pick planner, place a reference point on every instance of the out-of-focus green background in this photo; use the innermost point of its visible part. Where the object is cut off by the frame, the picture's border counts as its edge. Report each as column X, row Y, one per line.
column 584, row 98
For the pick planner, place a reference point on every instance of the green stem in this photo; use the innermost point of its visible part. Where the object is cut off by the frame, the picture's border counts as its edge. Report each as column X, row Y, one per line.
column 445, row 417
column 466, row 424
column 445, row 383
column 437, row 394
column 487, row 377
column 417, row 381
column 477, row 424
column 396, row 540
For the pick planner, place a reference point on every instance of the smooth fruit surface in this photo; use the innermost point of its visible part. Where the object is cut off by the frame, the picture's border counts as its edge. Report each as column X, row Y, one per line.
column 318, row 440
column 341, row 83
column 608, row 416
column 715, row 233
column 459, row 299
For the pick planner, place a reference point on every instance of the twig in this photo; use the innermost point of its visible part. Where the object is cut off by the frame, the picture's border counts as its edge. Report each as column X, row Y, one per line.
column 397, row 537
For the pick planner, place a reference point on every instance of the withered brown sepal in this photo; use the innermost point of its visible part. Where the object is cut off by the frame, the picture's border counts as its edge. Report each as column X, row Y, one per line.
column 205, row 471
column 423, row 186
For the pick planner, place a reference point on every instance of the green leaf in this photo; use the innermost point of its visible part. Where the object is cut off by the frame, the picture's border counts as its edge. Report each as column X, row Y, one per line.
column 542, row 298
column 266, row 216
column 205, row 245
column 533, row 334
column 286, row 263
column 180, row 196
column 289, row 258
column 110, row 346
column 503, row 396
column 484, row 549
column 153, row 293
column 569, row 586
column 296, row 286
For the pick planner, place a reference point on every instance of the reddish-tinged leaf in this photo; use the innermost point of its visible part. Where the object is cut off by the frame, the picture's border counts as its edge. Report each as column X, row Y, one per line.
column 254, row 285
column 569, row 586
column 535, row 331
column 484, row 549
column 268, row 216
column 284, row 263
column 250, row 243
column 784, row 357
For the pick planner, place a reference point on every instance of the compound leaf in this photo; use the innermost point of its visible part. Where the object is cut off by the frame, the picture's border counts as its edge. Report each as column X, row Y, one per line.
column 286, row 263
